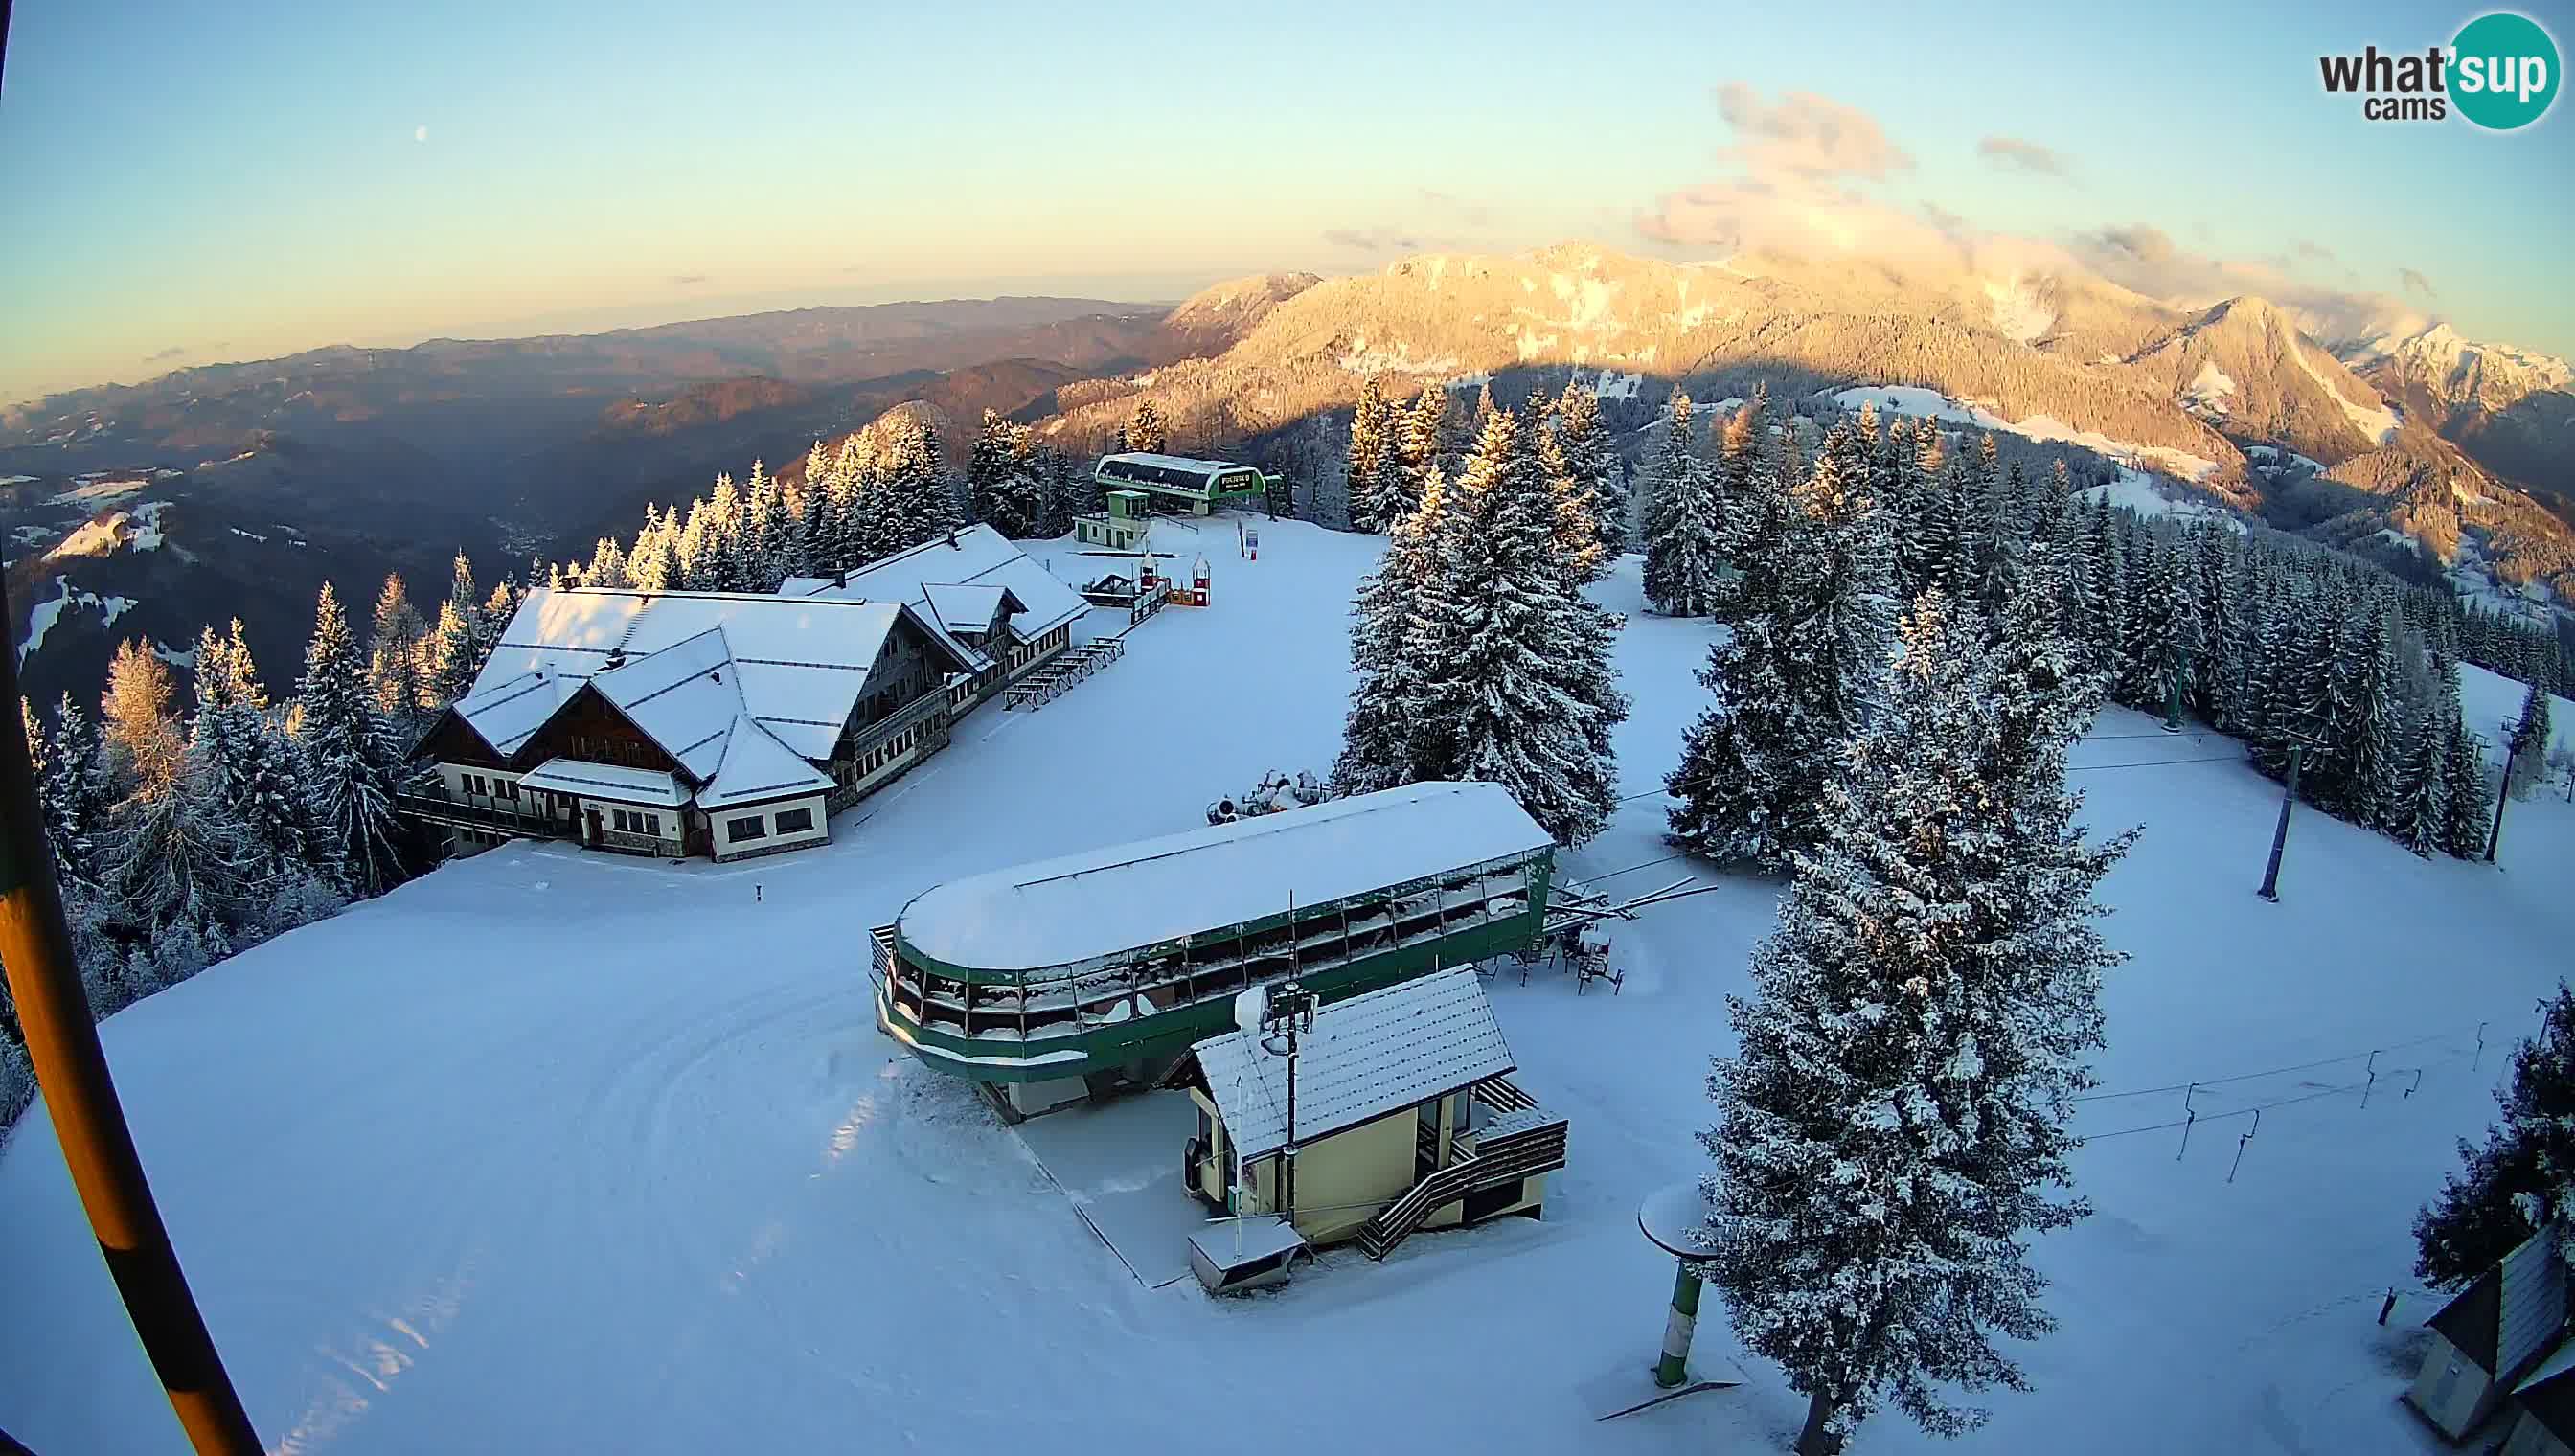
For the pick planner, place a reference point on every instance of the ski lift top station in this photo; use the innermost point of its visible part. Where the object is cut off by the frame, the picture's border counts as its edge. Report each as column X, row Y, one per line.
column 1050, row 981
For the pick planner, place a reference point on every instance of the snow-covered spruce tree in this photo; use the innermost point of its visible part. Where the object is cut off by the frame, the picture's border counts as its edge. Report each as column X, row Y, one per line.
column 1146, row 432
column 1758, row 746
column 1422, row 436
column 1576, row 540
column 180, row 857
column 1005, row 492
column 2420, row 807
column 1499, row 655
column 1591, row 461
column 1744, row 450
column 2463, row 773
column 1377, row 737
column 1848, row 625
column 1371, row 441
column 1897, row 1116
column 448, row 657
column 72, row 786
column 1686, row 556
column 243, row 760
column 2528, row 746
column 1675, row 456
column 2106, row 573
column 351, row 755
column 918, row 502
column 2477, row 1218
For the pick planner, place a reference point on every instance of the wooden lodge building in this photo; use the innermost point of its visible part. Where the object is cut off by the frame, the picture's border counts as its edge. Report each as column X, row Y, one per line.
column 1405, row 1118
column 730, row 723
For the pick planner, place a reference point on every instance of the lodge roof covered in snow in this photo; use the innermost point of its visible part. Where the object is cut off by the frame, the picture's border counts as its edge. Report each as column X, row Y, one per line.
column 926, row 576
column 1129, row 897
column 1367, row 1056
column 730, row 685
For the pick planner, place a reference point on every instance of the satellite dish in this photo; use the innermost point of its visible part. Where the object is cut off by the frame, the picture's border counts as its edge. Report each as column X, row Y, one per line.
column 1250, row 1005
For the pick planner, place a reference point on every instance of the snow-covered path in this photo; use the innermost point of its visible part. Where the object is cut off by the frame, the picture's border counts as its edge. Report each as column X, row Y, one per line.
column 554, row 1152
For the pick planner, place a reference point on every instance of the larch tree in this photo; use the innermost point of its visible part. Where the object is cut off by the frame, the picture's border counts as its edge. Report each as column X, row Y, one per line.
column 352, row 757
column 144, row 745
column 1897, row 1118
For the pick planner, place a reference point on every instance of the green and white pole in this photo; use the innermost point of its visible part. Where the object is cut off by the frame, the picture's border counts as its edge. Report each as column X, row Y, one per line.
column 1673, row 1368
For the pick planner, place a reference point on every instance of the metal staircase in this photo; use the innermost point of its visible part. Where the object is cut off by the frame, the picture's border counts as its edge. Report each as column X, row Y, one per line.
column 1044, row 684
column 1521, row 1142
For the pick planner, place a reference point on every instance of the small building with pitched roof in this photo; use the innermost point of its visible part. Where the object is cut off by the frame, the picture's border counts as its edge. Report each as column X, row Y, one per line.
column 2492, row 1336
column 1404, row 1117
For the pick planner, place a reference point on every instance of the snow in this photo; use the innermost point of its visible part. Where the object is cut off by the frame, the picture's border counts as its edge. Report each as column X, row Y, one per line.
column 2377, row 423
column 19, row 480
column 2140, row 493
column 86, row 490
column 798, row 665
column 606, row 780
column 247, row 535
column 975, row 555
column 758, row 767
column 1123, row 896
column 1617, row 386
column 1931, row 404
column 147, row 524
column 1366, row 1056
column 560, row 1150
column 93, row 538
column 2489, row 700
column 42, row 617
column 2211, row 392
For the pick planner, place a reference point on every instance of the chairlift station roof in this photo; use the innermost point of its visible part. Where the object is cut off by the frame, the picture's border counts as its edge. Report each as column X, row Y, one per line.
column 1133, row 896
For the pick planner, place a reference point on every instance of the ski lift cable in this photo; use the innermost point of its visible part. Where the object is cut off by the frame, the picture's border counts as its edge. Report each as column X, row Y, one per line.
column 2160, row 763
column 2277, row 1071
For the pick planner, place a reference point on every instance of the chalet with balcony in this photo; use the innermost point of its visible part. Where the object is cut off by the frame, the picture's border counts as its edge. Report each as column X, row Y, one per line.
column 689, row 722
column 986, row 600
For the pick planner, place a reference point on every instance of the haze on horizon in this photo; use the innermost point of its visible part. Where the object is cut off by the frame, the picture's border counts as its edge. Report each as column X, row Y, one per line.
column 229, row 185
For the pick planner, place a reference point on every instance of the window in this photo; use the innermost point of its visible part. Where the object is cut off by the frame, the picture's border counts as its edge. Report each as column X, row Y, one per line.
column 617, row 820
column 651, row 824
column 509, row 787
column 795, row 821
column 746, row 828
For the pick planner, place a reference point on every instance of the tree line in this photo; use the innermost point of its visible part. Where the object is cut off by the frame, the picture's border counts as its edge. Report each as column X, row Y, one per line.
column 181, row 840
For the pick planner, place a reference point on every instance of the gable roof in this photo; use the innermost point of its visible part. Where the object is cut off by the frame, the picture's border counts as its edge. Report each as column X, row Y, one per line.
column 975, row 555
column 2514, row 1312
column 758, row 767
column 1367, row 1056
column 606, row 781
column 506, row 713
column 794, row 665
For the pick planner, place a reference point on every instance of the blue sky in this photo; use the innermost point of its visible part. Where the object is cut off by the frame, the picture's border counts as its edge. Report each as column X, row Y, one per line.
column 191, row 183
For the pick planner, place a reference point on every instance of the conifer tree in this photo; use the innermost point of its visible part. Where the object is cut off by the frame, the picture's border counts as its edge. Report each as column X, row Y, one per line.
column 2463, row 773
column 2528, row 746
column 2419, row 813
column 1591, row 462
column 1501, row 701
column 1849, row 627
column 1422, row 437
column 1684, row 555
column 449, row 655
column 394, row 663
column 1146, row 432
column 352, row 757
column 2478, row 1216
column 72, row 786
column 242, row 761
column 1378, row 739
column 1742, row 451
column 1900, row 1105
column 1005, row 492
column 1371, row 442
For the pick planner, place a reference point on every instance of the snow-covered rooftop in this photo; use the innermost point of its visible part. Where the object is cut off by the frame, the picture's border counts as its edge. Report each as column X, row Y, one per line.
column 796, row 665
column 606, row 781
column 508, row 712
column 1126, row 896
column 976, row 556
column 1367, row 1057
column 1190, row 463
column 758, row 767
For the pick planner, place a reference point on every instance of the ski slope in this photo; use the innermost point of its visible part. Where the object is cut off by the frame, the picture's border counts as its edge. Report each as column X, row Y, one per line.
column 556, row 1152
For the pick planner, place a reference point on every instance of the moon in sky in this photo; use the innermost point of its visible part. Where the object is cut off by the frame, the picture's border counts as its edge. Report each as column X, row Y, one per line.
column 419, row 134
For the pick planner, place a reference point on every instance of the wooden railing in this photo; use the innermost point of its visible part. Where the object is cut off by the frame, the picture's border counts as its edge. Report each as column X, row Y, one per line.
column 432, row 806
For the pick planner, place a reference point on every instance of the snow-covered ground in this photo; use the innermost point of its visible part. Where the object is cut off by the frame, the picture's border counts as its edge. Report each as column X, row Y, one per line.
column 42, row 617
column 2490, row 701
column 561, row 1152
column 1934, row 405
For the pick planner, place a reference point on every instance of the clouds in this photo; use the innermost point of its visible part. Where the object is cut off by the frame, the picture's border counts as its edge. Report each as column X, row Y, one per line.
column 1801, row 162
column 2416, row 283
column 164, row 356
column 687, row 280
column 420, row 133
column 2310, row 251
column 1373, row 240
column 1808, row 136
column 2144, row 259
column 2014, row 154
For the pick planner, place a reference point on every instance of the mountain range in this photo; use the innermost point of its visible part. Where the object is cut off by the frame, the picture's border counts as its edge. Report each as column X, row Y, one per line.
column 227, row 490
